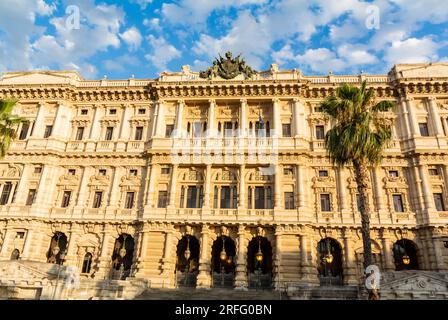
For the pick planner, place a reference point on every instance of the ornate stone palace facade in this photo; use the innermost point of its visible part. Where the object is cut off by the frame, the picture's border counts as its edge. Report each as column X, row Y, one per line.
column 152, row 179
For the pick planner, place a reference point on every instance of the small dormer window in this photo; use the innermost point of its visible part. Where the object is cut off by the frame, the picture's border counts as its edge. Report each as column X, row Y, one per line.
column 84, row 112
column 113, row 111
column 323, row 173
column 133, row 172
column 433, row 172
column 71, row 172
column 141, row 111
column 393, row 173
column 102, row 172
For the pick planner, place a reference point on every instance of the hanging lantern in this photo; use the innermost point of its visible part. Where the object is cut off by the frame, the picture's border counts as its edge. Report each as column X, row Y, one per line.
column 187, row 252
column 223, row 254
column 406, row 260
column 259, row 254
column 229, row 260
column 122, row 251
column 328, row 258
column 55, row 250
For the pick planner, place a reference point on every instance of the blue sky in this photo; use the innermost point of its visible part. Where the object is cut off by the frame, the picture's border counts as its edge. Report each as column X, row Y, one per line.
column 145, row 37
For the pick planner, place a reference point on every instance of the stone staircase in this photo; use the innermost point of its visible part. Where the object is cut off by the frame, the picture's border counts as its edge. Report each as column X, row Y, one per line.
column 209, row 294
column 325, row 293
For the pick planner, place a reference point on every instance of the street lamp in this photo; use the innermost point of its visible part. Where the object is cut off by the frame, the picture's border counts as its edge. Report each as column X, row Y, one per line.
column 405, row 258
column 259, row 259
column 328, row 257
column 187, row 255
column 223, row 258
column 122, row 254
column 55, row 251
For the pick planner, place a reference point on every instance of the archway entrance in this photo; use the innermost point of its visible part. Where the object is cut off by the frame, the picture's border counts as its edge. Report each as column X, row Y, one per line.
column 122, row 257
column 330, row 262
column 187, row 266
column 259, row 263
column 58, row 248
column 15, row 255
column 223, row 262
column 405, row 255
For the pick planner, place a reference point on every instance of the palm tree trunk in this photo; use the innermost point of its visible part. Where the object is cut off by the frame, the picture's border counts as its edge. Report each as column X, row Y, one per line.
column 362, row 180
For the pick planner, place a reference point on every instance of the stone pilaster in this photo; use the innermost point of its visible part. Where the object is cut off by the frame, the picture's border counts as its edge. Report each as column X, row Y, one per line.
column 204, row 277
column 241, row 267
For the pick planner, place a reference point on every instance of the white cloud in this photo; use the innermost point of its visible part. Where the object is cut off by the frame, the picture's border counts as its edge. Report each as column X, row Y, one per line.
column 132, row 37
column 412, row 50
column 162, row 52
column 153, row 24
column 354, row 55
column 321, row 60
column 120, row 64
column 194, row 13
column 142, row 3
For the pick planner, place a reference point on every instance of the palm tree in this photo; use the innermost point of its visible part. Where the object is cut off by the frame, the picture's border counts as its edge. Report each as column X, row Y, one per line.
column 358, row 137
column 8, row 123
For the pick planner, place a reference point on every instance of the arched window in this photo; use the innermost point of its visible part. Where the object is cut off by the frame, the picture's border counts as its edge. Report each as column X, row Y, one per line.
column 405, row 255
column 15, row 255
column 87, row 263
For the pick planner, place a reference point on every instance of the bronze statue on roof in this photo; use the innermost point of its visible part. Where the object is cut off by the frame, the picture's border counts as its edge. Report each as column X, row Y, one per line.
column 228, row 68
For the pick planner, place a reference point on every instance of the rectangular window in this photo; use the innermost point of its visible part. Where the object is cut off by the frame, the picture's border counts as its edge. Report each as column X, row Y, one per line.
column 102, row 172
column 165, row 170
column 24, row 131
column 47, row 132
column 182, row 197
column 286, row 129
column 71, row 172
column 109, row 133
column 138, row 133
column 31, row 197
column 37, row 170
column 113, row 111
column 201, row 197
column 169, row 130
column 393, row 173
column 228, row 129
column 323, row 173
column 234, row 198
column 225, row 197
column 289, row 200
column 84, row 112
column 433, row 172
column 259, row 198
column 320, row 132
column 197, row 129
column 192, row 193
column 66, row 199
column 423, row 129
column 249, row 198
column 269, row 203
column 79, row 133
column 133, row 172
column 141, row 111
column 129, row 204
column 325, row 202
column 215, row 198
column 438, row 200
column 398, row 203
column 5, row 193
column 97, row 199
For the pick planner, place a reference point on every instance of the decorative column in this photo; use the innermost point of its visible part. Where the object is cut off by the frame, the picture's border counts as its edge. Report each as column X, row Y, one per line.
column 277, row 188
column 173, row 186
column 405, row 129
column 83, row 190
column 207, row 186
column 38, row 128
column 115, row 192
column 298, row 113
column 426, row 188
column 124, row 128
column 166, row 261
column 241, row 268
column 276, row 117
column 211, row 118
column 387, row 252
column 95, row 128
column 22, row 187
column 26, row 248
column 349, row 260
column 242, row 192
column 105, row 259
column 413, row 123
column 342, row 188
column 277, row 269
column 160, row 122
column 204, row 277
column 71, row 247
column 309, row 273
column 378, row 188
column 151, row 186
column 179, row 116
column 61, row 122
column 6, row 240
column 300, row 187
column 243, row 117
column 435, row 116
column 44, row 195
